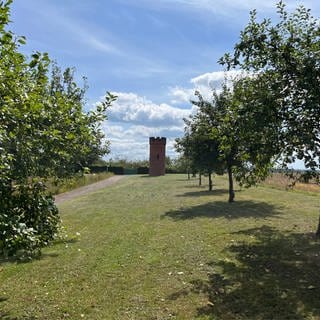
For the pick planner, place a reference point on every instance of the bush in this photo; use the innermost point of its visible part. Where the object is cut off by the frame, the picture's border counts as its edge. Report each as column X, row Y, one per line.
column 28, row 218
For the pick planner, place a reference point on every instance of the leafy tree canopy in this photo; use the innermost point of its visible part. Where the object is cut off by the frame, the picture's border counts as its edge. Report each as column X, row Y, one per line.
column 285, row 60
column 44, row 132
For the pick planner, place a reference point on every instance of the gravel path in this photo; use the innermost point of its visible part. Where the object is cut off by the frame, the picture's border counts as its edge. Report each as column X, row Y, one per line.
column 87, row 189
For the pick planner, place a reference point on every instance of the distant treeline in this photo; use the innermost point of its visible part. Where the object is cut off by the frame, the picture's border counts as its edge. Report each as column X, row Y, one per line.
column 125, row 170
column 124, row 166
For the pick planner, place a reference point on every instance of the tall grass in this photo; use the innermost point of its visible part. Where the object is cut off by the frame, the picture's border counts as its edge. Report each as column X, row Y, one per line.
column 77, row 182
column 283, row 182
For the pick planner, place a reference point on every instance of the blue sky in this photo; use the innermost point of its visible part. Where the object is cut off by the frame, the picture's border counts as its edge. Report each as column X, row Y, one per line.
column 152, row 53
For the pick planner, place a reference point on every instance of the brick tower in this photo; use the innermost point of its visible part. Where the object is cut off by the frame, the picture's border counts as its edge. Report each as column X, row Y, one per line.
column 157, row 156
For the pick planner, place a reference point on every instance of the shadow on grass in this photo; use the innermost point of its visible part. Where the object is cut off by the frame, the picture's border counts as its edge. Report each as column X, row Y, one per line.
column 20, row 258
column 186, row 179
column 275, row 277
column 196, row 186
column 65, row 241
column 214, row 192
column 218, row 209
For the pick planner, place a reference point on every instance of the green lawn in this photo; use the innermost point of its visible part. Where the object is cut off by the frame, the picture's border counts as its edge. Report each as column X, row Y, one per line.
column 164, row 248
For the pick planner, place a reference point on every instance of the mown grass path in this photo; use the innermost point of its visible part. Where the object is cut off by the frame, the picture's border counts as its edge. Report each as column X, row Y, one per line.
column 163, row 248
column 87, row 189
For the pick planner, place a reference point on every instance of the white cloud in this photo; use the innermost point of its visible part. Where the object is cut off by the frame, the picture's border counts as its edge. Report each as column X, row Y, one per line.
column 132, row 119
column 101, row 45
column 134, row 109
column 216, row 78
column 133, row 142
column 204, row 83
column 180, row 95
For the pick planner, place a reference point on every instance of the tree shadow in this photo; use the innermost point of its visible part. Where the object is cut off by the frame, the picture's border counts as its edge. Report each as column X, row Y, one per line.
column 186, row 179
column 196, row 186
column 64, row 241
column 201, row 193
column 20, row 258
column 274, row 277
column 218, row 209
column 25, row 259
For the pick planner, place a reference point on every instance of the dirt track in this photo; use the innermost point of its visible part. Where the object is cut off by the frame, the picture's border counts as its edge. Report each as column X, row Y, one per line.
column 86, row 189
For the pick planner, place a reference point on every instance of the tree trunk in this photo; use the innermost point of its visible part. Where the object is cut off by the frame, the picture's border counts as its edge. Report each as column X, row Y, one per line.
column 318, row 230
column 210, row 182
column 200, row 180
column 231, row 191
column 188, row 174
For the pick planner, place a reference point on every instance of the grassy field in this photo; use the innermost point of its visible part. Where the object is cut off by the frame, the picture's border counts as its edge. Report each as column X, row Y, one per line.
column 281, row 181
column 164, row 248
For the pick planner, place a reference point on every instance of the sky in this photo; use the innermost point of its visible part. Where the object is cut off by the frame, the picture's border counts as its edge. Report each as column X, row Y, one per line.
column 153, row 54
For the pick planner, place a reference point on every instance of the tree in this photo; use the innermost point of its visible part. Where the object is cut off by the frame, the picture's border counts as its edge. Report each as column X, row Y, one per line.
column 180, row 164
column 228, row 136
column 44, row 133
column 247, row 131
column 285, row 59
column 199, row 146
column 183, row 146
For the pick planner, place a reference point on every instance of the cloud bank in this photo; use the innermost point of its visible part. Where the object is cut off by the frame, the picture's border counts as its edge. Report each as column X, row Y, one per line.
column 132, row 119
column 133, row 109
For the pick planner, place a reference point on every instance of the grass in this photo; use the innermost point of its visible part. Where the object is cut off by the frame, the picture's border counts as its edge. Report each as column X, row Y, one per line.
column 164, row 248
column 77, row 182
column 281, row 181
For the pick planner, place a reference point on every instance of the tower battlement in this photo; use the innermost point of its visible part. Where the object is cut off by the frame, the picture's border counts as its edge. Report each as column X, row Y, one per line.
column 156, row 140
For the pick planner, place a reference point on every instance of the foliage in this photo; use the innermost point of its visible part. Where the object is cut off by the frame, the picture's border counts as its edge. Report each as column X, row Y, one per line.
column 179, row 164
column 99, row 162
column 44, row 133
column 183, row 147
column 170, row 164
column 225, row 135
column 246, row 132
column 28, row 218
column 284, row 57
column 200, row 147
column 271, row 115
column 125, row 163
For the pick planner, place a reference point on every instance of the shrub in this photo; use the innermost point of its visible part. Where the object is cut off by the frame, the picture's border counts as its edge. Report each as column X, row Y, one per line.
column 29, row 219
